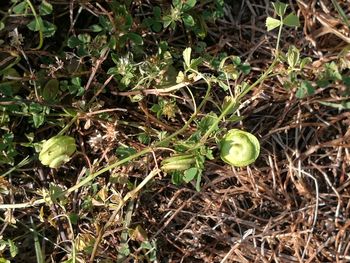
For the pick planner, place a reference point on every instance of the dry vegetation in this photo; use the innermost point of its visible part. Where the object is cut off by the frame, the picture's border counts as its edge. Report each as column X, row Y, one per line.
column 291, row 205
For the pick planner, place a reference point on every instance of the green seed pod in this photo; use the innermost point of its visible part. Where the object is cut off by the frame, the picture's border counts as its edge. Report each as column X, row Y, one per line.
column 178, row 162
column 239, row 148
column 57, row 151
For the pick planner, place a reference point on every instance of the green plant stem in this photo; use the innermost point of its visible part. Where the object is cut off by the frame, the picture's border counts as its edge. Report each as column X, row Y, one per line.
column 240, row 96
column 341, row 12
column 118, row 163
column 68, row 125
column 41, row 38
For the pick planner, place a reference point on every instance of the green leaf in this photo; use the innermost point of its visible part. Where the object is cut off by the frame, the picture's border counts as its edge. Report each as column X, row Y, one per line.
column 177, row 3
column 96, row 28
column 293, row 56
column 146, row 245
column 208, row 121
column 20, row 8
column 190, row 174
column 36, row 24
column 2, row 25
column 73, row 42
column 305, row 61
column 196, row 62
column 167, row 20
column 291, row 20
column 38, row 119
column 305, row 90
column 124, row 151
column 187, row 57
column 189, row 4
column 198, row 181
column 74, row 218
column 157, row 11
column 50, row 90
column 245, row 68
column 136, row 38
column 49, row 29
column 85, row 38
column 176, row 178
column 272, row 23
column 280, row 8
column 56, row 193
column 144, row 138
column 188, row 20
column 45, row 8
column 13, row 248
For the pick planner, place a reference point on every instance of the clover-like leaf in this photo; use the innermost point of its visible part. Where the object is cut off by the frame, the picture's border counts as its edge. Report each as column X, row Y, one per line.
column 272, row 23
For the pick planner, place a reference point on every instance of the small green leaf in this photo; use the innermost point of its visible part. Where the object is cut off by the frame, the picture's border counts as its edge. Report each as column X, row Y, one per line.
column 20, row 8
column 85, row 38
column 196, row 62
column 73, row 42
column 208, row 121
column 189, row 4
column 291, row 20
column 272, row 23
column 124, row 151
column 96, row 28
column 293, row 56
column 13, row 248
column 176, row 177
column 2, row 25
column 305, row 90
column 187, row 57
column 167, row 20
column 50, row 90
column 229, row 105
column 188, row 20
column 36, row 24
column 74, row 218
column 280, row 8
column 38, row 119
column 198, row 181
column 136, row 38
column 45, row 8
column 305, row 61
column 49, row 29
column 190, row 174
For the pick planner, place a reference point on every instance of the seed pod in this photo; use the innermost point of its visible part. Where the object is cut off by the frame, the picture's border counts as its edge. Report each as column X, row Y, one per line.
column 239, row 148
column 57, row 151
column 178, row 162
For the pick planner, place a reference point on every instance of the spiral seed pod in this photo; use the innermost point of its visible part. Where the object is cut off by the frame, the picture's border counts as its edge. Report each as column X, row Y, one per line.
column 239, row 148
column 57, row 151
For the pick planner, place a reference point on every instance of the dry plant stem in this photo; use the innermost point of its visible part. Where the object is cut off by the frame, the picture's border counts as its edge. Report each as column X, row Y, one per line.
column 129, row 195
column 98, row 63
